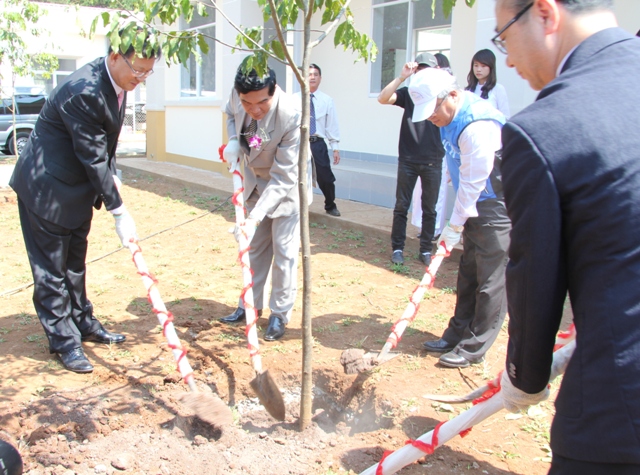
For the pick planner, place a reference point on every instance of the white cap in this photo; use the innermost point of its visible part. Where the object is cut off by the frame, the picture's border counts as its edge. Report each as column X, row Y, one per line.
column 424, row 89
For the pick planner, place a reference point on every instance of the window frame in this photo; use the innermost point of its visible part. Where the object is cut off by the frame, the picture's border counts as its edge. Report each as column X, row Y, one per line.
column 411, row 39
column 184, row 92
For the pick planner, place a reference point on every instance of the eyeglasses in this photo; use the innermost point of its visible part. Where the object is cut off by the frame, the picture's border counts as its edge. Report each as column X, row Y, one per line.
column 138, row 74
column 499, row 42
column 438, row 106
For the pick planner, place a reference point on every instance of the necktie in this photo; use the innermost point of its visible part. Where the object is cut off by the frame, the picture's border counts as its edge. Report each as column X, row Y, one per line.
column 312, row 120
column 120, row 99
column 252, row 129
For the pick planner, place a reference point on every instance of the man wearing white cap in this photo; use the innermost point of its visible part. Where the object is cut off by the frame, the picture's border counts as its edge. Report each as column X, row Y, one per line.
column 472, row 128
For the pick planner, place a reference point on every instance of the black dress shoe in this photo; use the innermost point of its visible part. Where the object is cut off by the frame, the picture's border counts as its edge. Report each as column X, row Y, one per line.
column 237, row 316
column 333, row 212
column 275, row 330
column 454, row 360
column 76, row 361
column 439, row 346
column 103, row 336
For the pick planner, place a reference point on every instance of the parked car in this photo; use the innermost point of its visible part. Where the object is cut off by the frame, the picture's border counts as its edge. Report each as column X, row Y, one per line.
column 28, row 107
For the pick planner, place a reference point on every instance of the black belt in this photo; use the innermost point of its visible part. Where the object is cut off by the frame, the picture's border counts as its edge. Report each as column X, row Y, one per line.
column 314, row 138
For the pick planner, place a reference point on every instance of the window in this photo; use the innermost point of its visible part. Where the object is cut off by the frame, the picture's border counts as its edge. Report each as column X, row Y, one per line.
column 198, row 79
column 401, row 29
column 48, row 84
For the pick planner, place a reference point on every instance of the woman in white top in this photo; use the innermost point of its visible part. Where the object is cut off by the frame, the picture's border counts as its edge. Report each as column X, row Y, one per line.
column 482, row 81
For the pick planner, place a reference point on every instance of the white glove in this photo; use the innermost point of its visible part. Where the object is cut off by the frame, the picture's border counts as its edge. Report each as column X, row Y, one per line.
column 248, row 228
column 450, row 236
column 125, row 226
column 117, row 181
column 516, row 400
column 232, row 152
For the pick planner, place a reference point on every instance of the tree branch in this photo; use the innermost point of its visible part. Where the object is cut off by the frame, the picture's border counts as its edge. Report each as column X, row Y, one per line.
column 333, row 24
column 278, row 26
column 237, row 28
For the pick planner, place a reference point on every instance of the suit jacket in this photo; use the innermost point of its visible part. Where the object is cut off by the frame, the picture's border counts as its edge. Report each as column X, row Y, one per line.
column 272, row 168
column 67, row 166
column 571, row 175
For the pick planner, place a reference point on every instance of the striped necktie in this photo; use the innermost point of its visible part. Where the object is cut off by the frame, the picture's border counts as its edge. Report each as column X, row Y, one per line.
column 312, row 120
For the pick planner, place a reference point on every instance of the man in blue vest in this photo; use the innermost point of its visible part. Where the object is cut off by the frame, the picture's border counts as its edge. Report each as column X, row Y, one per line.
column 471, row 127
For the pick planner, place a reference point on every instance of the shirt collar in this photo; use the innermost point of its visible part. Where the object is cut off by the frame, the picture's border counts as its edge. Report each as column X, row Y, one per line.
column 116, row 88
column 564, row 60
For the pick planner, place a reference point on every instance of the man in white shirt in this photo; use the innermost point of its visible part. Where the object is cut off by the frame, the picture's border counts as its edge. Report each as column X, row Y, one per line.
column 323, row 128
column 472, row 128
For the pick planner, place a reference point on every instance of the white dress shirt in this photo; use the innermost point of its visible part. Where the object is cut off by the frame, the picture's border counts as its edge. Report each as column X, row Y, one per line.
column 326, row 118
column 497, row 98
column 478, row 143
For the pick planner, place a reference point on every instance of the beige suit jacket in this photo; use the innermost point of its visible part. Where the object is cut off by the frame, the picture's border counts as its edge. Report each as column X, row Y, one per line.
column 272, row 168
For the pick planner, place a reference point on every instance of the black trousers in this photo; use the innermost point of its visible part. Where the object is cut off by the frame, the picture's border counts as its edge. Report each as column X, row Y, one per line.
column 408, row 174
column 564, row 466
column 324, row 174
column 481, row 298
column 57, row 257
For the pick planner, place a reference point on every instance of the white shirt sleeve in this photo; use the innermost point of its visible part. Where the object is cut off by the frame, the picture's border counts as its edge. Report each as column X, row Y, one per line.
column 501, row 100
column 478, row 144
column 332, row 130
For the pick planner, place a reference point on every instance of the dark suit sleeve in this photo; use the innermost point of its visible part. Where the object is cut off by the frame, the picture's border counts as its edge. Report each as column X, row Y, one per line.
column 536, row 274
column 84, row 116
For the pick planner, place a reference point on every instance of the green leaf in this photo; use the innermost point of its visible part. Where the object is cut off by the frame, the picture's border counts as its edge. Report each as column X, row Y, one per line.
column 337, row 36
column 94, row 23
column 127, row 37
column 202, row 44
column 105, row 18
column 277, row 48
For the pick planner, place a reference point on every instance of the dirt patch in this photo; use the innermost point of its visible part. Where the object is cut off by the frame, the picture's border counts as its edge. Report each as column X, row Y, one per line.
column 127, row 416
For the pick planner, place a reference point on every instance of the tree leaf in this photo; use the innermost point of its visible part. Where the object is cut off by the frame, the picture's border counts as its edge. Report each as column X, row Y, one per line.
column 277, row 49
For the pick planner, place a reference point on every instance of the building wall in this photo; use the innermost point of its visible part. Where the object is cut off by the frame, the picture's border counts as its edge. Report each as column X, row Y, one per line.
column 194, row 128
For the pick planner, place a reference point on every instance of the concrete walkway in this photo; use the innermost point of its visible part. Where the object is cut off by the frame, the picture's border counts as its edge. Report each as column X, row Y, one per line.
column 373, row 221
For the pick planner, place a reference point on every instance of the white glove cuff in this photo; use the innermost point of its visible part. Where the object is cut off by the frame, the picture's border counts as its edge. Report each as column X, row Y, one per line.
column 119, row 210
column 517, row 400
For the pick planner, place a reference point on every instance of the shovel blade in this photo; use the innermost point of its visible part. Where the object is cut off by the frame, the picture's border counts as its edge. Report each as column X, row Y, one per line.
column 209, row 409
column 356, row 361
column 269, row 395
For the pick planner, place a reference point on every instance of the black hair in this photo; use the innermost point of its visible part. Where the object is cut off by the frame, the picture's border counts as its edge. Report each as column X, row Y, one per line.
column 571, row 5
column 146, row 53
column 249, row 82
column 443, row 61
column 638, row 33
column 486, row 57
column 315, row 66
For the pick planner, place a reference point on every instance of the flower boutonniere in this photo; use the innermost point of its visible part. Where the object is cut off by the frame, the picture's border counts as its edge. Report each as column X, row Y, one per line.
column 255, row 142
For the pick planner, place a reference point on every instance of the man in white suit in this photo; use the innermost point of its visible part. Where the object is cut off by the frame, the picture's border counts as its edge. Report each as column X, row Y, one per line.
column 264, row 130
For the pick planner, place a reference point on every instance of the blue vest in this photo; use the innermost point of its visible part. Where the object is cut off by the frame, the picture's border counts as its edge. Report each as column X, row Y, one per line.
column 473, row 108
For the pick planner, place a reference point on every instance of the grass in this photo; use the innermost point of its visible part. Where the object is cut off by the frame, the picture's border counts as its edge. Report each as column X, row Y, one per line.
column 26, row 319
column 34, row 338
column 400, row 269
column 331, row 328
column 227, row 337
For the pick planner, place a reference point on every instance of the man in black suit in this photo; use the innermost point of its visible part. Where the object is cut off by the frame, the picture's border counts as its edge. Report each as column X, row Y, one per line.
column 67, row 168
column 571, row 176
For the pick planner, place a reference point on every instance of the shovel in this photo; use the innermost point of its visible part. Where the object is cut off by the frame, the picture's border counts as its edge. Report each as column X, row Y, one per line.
column 355, row 360
column 263, row 384
column 207, row 407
